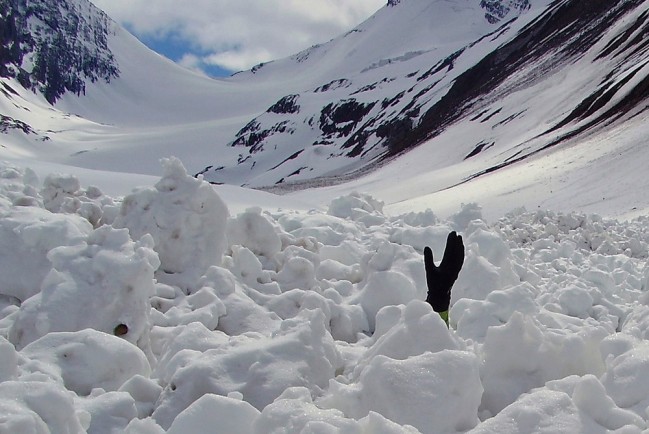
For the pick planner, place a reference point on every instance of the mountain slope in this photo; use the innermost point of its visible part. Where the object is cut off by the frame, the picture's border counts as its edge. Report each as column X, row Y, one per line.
column 454, row 91
column 599, row 47
column 373, row 88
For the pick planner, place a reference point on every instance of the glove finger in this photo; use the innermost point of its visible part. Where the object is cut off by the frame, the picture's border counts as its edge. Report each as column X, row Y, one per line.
column 449, row 251
column 429, row 263
column 459, row 254
column 453, row 255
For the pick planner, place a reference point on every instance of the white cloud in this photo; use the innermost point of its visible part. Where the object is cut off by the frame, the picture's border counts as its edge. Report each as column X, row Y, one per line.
column 237, row 34
column 238, row 60
column 192, row 62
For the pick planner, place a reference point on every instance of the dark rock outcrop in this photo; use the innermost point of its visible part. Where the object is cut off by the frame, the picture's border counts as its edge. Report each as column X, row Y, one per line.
column 65, row 46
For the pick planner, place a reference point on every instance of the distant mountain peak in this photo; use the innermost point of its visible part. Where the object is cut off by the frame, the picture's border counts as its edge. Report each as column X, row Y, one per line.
column 496, row 10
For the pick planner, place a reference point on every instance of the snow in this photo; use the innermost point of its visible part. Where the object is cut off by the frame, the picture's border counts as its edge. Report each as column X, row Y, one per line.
column 175, row 214
column 139, row 304
column 167, row 310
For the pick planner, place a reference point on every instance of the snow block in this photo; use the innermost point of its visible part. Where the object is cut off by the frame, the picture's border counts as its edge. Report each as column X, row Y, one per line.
column 187, row 220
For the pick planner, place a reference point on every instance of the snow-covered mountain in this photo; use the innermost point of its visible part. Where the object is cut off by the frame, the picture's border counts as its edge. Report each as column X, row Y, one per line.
column 358, row 95
column 473, row 86
column 517, row 85
column 55, row 47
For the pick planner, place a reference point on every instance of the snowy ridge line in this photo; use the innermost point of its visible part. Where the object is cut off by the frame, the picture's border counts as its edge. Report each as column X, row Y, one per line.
column 161, row 313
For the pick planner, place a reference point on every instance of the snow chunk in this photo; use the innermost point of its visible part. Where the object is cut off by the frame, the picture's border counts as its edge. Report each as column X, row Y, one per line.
column 231, row 416
column 467, row 214
column 18, row 187
column 143, row 426
column 326, row 229
column 27, row 234
column 591, row 398
column 472, row 318
column 144, row 391
column 385, row 288
column 572, row 404
column 392, row 277
column 487, row 266
column 434, row 392
column 294, row 411
column 57, row 188
column 405, row 331
column 242, row 313
column 85, row 360
column 39, row 407
column 104, row 283
column 8, row 360
column 301, row 353
column 358, row 207
column 186, row 218
column 536, row 355
column 627, row 378
column 62, row 193
column 109, row 412
column 543, row 412
column 420, row 237
column 255, row 232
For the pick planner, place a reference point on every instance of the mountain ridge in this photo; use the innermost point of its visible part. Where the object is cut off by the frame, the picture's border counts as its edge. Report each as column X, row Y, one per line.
column 55, row 47
column 353, row 106
column 468, row 95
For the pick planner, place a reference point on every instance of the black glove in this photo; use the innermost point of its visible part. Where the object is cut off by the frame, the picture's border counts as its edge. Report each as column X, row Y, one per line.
column 440, row 279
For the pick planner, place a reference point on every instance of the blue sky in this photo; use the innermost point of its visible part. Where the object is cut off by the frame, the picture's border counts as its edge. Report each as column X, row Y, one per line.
column 176, row 48
column 219, row 37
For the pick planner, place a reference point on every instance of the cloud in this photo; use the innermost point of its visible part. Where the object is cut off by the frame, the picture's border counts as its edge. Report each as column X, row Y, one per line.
column 192, row 62
column 238, row 34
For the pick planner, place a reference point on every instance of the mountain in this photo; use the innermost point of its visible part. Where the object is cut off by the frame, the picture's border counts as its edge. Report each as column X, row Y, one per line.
column 459, row 90
column 365, row 89
column 490, row 68
column 54, row 47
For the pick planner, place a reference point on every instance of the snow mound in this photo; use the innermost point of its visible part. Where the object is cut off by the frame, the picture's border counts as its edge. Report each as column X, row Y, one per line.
column 434, row 392
column 40, row 407
column 103, row 283
column 85, row 360
column 159, row 313
column 186, row 219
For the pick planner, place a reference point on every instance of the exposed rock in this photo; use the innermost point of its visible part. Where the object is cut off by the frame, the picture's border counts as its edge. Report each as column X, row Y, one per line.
column 285, row 105
column 7, row 123
column 496, row 10
column 54, row 47
column 341, row 118
column 333, row 85
column 253, row 137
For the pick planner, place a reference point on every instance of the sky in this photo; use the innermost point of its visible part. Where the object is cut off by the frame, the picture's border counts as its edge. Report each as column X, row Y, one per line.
column 219, row 37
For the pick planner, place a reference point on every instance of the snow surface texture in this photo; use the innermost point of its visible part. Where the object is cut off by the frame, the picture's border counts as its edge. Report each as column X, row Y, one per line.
column 310, row 322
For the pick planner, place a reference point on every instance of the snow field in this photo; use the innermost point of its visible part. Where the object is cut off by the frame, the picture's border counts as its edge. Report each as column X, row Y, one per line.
column 160, row 312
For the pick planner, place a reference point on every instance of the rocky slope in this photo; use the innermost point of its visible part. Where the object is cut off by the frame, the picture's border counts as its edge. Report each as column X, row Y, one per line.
column 495, row 80
column 55, row 47
column 502, row 79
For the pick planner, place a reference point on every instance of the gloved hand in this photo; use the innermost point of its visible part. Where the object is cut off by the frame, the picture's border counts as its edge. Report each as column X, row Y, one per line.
column 440, row 279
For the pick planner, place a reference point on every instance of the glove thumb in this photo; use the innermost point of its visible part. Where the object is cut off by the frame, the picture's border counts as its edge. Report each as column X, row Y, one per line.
column 428, row 259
